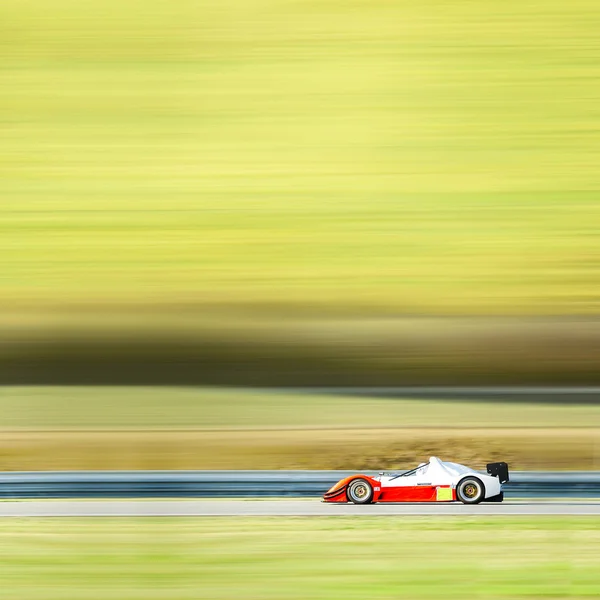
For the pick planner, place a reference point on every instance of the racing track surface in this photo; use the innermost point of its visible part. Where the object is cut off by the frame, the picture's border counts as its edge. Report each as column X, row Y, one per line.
column 268, row 508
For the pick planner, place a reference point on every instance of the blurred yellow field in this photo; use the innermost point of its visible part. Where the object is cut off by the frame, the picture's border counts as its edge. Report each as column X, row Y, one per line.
column 404, row 157
column 110, row 428
column 353, row 449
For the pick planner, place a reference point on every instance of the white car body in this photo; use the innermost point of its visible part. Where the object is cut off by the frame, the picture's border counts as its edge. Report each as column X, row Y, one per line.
column 440, row 473
column 435, row 481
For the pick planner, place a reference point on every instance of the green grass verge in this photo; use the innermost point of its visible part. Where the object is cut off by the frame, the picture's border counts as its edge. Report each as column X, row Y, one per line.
column 213, row 408
column 298, row 558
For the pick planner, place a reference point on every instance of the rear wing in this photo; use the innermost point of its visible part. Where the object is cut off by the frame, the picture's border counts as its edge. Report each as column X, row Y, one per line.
column 499, row 470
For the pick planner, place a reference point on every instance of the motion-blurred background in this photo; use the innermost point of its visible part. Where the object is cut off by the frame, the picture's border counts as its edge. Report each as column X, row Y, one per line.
column 202, row 203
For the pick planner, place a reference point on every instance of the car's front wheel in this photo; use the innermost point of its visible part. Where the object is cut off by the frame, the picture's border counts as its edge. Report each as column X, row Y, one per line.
column 360, row 491
column 470, row 490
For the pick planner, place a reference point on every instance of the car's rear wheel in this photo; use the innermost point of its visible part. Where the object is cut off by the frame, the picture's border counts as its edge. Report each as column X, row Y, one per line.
column 470, row 490
column 360, row 491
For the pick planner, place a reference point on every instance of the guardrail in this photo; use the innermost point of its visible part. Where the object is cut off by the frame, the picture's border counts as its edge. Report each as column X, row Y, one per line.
column 249, row 484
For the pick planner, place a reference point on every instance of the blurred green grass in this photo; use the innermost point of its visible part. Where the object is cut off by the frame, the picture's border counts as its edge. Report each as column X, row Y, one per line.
column 414, row 158
column 113, row 408
column 294, row 558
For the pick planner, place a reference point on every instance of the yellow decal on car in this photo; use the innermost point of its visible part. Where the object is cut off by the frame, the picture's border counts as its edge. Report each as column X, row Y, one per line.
column 443, row 494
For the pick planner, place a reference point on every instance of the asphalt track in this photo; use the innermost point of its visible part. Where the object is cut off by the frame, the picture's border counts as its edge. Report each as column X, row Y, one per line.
column 273, row 508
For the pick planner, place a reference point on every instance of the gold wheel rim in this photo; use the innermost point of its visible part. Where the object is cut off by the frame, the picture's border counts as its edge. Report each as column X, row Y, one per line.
column 470, row 490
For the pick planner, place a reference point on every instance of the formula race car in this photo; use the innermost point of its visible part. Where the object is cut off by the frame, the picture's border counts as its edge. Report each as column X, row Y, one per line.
column 435, row 481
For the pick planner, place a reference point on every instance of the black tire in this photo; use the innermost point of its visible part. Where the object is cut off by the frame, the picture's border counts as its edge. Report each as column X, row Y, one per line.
column 359, row 491
column 470, row 490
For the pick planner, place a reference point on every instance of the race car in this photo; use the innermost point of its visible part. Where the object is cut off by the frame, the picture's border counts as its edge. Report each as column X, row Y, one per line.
column 434, row 481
